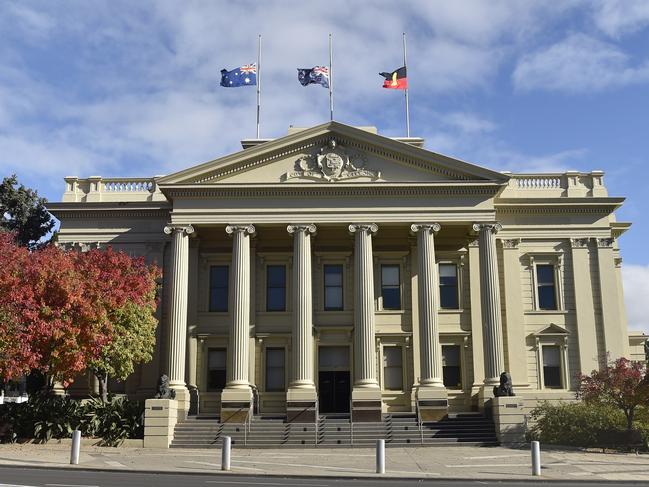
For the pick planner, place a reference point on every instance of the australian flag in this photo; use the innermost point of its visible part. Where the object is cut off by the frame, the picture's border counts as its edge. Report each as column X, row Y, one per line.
column 316, row 75
column 246, row 75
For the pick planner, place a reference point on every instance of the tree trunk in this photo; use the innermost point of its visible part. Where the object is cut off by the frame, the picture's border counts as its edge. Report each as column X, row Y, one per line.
column 629, row 419
column 102, row 377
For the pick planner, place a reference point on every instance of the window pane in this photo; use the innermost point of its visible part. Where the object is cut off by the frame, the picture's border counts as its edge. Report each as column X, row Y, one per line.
column 451, row 366
column 551, row 356
column 448, row 297
column 333, row 275
column 333, row 298
column 276, row 288
column 552, row 366
column 391, row 298
column 276, row 299
column 392, row 356
column 333, row 357
column 552, row 377
column 275, row 357
column 392, row 368
column 218, row 288
column 393, row 378
column 216, row 359
column 452, row 377
column 547, row 298
column 448, row 273
column 451, row 355
column 216, row 369
column 545, row 274
column 390, row 275
column 276, row 276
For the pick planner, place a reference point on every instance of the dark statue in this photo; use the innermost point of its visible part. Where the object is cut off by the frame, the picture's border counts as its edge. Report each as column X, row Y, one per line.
column 164, row 391
column 646, row 351
column 505, row 388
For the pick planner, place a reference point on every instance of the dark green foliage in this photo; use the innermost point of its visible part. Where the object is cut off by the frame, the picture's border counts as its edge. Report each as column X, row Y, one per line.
column 580, row 424
column 22, row 211
column 47, row 417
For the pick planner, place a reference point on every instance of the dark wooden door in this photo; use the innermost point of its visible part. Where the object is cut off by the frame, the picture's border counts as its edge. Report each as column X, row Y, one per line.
column 334, row 390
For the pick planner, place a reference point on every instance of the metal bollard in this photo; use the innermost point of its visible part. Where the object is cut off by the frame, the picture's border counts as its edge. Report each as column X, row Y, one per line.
column 76, row 446
column 536, row 458
column 380, row 456
column 225, row 453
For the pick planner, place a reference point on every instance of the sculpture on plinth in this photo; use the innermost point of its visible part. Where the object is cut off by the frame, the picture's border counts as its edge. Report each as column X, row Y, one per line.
column 505, row 388
column 164, row 391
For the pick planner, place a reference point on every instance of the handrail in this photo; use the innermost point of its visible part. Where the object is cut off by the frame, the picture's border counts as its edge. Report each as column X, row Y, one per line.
column 419, row 421
column 247, row 424
column 351, row 424
column 317, row 420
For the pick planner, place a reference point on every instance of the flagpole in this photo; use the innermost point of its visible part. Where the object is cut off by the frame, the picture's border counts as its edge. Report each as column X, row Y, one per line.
column 331, row 80
column 405, row 65
column 258, row 83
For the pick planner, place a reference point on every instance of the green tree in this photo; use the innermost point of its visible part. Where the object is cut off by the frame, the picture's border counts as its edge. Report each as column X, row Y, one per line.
column 23, row 212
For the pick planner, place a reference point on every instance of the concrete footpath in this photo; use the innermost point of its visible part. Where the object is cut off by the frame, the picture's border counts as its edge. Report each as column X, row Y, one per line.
column 415, row 462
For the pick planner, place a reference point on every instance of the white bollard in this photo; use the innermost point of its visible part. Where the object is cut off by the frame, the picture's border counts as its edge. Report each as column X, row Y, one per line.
column 225, row 453
column 76, row 446
column 536, row 458
column 380, row 456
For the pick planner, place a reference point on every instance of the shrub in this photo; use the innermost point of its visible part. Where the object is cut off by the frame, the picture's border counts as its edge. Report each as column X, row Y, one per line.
column 574, row 424
column 113, row 421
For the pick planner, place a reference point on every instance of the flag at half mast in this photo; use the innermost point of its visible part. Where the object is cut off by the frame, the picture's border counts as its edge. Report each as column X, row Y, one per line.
column 396, row 80
column 316, row 75
column 246, row 75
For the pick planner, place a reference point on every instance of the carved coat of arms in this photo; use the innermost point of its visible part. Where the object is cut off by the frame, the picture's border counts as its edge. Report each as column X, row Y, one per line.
column 331, row 163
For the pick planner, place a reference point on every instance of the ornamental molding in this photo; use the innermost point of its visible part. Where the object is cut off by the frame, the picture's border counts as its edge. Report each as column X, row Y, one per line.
column 308, row 228
column 245, row 229
column 108, row 213
column 488, row 227
column 605, row 243
column 178, row 228
column 428, row 227
column 510, row 243
column 579, row 243
column 332, row 162
column 370, row 228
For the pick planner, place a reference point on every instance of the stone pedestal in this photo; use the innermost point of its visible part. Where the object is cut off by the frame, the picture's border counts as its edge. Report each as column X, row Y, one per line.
column 301, row 405
column 366, row 405
column 433, row 403
column 235, row 405
column 160, row 418
column 509, row 419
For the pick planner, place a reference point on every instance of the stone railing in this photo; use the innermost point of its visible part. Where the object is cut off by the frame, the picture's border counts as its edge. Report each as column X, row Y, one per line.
column 98, row 189
column 568, row 184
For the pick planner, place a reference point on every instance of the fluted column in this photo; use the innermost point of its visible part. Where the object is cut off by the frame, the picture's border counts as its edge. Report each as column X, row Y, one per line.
column 302, row 342
column 490, row 300
column 238, row 351
column 178, row 284
column 364, row 324
column 430, row 355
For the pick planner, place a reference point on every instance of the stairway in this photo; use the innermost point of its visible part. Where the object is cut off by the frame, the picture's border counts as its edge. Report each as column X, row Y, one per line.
column 337, row 431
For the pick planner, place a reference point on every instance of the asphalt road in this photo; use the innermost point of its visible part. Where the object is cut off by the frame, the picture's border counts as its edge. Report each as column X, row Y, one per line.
column 26, row 477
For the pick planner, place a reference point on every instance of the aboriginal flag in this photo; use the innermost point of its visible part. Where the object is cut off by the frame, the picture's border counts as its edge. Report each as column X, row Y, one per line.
column 396, row 80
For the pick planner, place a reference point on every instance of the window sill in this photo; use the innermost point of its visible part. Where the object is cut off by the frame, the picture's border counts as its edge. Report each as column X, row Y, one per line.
column 390, row 312
column 547, row 312
column 448, row 311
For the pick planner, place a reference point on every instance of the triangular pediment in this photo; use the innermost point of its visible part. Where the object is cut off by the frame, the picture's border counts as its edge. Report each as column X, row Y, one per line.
column 552, row 330
column 332, row 152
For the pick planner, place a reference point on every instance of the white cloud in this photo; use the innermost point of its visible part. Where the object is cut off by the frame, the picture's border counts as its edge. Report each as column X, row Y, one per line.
column 469, row 123
column 577, row 64
column 621, row 17
column 636, row 296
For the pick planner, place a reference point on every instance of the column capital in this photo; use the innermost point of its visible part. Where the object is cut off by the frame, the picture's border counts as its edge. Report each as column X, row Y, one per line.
column 370, row 228
column 429, row 227
column 604, row 243
column 493, row 227
column 579, row 243
column 172, row 227
column 301, row 227
column 511, row 243
column 248, row 228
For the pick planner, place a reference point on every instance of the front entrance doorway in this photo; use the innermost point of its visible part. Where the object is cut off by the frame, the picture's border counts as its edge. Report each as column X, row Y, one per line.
column 334, row 387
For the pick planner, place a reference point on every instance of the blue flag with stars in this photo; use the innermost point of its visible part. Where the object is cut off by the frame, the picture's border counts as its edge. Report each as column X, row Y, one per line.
column 316, row 75
column 246, row 75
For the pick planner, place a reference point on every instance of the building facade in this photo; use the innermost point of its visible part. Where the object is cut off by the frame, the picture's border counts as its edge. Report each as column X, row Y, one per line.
column 337, row 270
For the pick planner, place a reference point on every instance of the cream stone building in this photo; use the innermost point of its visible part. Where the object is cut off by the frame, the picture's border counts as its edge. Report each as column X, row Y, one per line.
column 335, row 269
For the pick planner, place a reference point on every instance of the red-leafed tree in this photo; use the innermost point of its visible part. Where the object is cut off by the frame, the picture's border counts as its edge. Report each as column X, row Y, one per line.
column 624, row 384
column 57, row 308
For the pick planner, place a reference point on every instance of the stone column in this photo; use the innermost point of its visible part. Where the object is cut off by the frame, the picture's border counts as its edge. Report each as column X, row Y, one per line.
column 178, row 313
column 366, row 393
column 490, row 301
column 301, row 395
column 235, row 399
column 431, row 394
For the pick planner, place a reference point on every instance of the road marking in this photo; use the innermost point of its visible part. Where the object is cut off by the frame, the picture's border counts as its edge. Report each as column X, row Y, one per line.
column 113, row 463
column 580, row 474
column 261, row 483
column 15, row 485
column 494, row 456
column 219, row 465
column 491, row 465
column 255, row 462
column 71, row 485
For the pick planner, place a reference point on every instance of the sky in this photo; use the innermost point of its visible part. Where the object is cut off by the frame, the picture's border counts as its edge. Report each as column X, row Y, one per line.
column 123, row 88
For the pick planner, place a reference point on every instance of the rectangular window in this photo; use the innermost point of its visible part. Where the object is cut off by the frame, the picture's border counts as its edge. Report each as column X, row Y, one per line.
column 448, row 287
column 546, row 286
column 333, row 287
column 451, row 366
column 391, row 287
column 219, row 288
column 552, row 367
column 216, row 370
column 275, row 288
column 275, row 369
column 392, row 369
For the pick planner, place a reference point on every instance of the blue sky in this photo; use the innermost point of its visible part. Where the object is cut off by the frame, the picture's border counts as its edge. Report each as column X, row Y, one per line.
column 125, row 88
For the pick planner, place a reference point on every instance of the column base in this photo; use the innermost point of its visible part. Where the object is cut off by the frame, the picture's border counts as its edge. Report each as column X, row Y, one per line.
column 485, row 395
column 160, row 418
column 235, row 405
column 301, row 405
column 509, row 419
column 367, row 405
column 182, row 398
column 433, row 403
